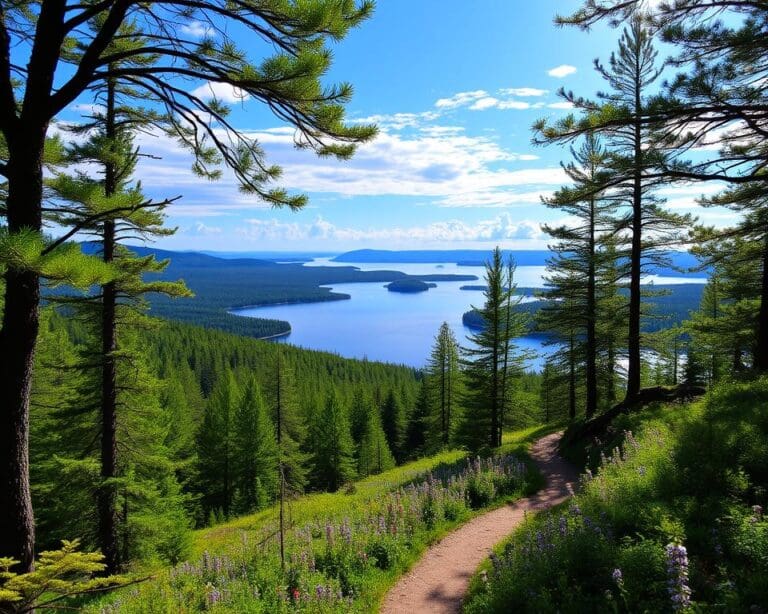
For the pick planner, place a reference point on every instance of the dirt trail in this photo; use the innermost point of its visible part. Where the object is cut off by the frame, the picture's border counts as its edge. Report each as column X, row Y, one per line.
column 438, row 582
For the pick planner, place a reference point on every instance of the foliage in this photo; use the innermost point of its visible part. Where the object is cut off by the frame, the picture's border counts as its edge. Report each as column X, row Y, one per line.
column 59, row 577
column 674, row 515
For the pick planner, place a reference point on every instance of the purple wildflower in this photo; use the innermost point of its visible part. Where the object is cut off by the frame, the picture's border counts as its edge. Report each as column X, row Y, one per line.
column 677, row 573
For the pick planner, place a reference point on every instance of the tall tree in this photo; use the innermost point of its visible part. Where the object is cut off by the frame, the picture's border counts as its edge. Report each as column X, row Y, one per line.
column 373, row 453
column 491, row 358
column 444, row 384
column 254, row 450
column 333, row 461
column 718, row 98
column 394, row 423
column 73, row 41
column 121, row 210
column 215, row 450
column 624, row 116
column 572, row 282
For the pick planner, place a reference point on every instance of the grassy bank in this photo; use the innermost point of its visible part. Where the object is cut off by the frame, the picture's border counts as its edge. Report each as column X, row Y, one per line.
column 670, row 520
column 345, row 549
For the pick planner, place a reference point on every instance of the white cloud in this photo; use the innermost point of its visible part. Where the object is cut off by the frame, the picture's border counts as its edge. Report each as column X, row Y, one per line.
column 523, row 92
column 561, row 105
column 485, row 103
column 201, row 229
column 561, row 71
column 500, row 228
column 197, row 29
column 221, row 91
column 514, row 104
column 461, row 99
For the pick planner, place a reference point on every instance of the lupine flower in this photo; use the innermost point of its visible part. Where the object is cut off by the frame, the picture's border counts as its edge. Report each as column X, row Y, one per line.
column 617, row 576
column 677, row 573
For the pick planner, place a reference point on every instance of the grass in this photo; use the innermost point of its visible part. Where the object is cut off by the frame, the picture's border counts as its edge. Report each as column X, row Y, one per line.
column 671, row 520
column 345, row 549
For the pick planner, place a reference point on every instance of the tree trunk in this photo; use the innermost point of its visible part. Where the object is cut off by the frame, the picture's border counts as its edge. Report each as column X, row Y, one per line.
column 761, row 350
column 633, row 371
column 591, row 349
column 18, row 338
column 572, row 380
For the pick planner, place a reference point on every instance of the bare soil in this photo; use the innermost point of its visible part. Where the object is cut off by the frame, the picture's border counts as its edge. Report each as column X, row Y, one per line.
column 438, row 582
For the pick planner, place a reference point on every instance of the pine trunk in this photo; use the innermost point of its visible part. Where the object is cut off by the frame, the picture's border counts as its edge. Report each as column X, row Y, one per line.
column 761, row 351
column 18, row 338
column 591, row 349
column 633, row 370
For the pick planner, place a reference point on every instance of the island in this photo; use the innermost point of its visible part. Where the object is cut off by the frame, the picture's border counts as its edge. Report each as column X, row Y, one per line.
column 409, row 286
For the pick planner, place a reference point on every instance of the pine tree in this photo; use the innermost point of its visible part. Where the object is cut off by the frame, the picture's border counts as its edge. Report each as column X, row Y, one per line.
column 255, row 451
column 491, row 360
column 373, row 453
column 444, row 383
column 290, row 428
column 333, row 449
column 419, row 431
column 71, row 48
column 572, row 282
column 625, row 118
column 215, row 449
column 394, row 423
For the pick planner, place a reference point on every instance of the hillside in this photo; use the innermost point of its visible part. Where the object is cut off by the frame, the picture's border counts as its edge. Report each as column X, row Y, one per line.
column 669, row 518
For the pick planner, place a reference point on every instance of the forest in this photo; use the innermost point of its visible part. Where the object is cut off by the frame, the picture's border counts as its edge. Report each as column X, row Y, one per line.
column 154, row 456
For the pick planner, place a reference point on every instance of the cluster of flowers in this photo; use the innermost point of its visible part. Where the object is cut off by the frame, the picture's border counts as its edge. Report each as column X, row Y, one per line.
column 325, row 556
column 677, row 572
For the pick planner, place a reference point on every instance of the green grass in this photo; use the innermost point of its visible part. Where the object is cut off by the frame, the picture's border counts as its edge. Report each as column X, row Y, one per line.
column 692, row 475
column 235, row 567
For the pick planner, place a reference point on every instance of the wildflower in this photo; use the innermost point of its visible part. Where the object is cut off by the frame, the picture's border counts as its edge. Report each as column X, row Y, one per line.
column 641, row 471
column 677, row 573
column 617, row 576
column 757, row 510
column 296, row 594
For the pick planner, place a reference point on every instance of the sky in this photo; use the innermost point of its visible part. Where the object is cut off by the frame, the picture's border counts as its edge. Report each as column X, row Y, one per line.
column 454, row 87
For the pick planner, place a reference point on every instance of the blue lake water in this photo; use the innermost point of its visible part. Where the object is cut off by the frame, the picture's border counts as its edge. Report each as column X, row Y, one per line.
column 390, row 326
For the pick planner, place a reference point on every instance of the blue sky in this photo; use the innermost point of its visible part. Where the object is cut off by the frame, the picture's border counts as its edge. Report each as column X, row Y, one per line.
column 454, row 87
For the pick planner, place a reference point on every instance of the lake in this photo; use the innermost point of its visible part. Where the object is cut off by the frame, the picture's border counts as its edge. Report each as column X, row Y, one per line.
column 395, row 327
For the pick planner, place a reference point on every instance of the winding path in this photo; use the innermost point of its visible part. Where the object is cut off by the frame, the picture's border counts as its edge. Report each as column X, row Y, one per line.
column 438, row 582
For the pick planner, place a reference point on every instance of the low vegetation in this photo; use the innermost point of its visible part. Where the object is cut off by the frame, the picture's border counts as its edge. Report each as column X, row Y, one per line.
column 669, row 518
column 342, row 549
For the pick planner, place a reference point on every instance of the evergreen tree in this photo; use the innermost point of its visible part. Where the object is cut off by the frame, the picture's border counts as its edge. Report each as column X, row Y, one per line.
column 491, row 360
column 70, row 49
column 394, row 422
column 373, row 453
column 255, row 451
column 290, row 427
column 572, row 282
column 625, row 117
column 444, row 383
column 419, row 430
column 215, row 449
column 333, row 449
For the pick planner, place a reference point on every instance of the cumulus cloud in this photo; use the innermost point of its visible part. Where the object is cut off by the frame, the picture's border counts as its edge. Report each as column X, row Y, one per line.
column 461, row 99
column 523, row 92
column 197, row 29
column 561, row 105
column 561, row 71
column 220, row 91
column 498, row 229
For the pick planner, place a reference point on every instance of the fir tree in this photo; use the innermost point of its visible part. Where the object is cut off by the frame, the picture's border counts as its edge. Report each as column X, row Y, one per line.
column 419, row 431
column 373, row 453
column 333, row 449
column 394, row 422
column 215, row 450
column 255, row 451
column 492, row 359
column 444, row 383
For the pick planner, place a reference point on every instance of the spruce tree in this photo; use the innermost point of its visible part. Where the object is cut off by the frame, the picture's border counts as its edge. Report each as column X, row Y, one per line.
column 394, row 423
column 419, row 435
column 572, row 282
column 443, row 379
column 333, row 461
column 373, row 453
column 215, row 449
column 491, row 359
column 255, row 451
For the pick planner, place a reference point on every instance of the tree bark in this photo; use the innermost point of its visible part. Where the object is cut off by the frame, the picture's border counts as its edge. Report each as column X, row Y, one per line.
column 18, row 338
column 591, row 349
column 761, row 351
column 633, row 345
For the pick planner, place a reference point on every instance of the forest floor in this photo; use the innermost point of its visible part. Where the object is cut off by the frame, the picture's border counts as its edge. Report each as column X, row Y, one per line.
column 438, row 582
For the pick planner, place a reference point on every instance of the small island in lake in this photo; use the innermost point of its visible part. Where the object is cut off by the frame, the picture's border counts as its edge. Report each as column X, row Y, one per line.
column 409, row 286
